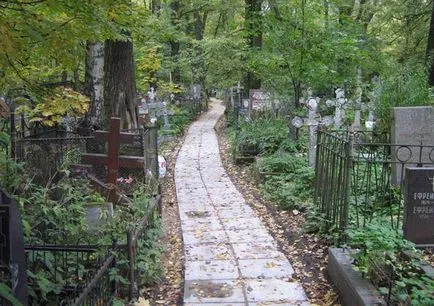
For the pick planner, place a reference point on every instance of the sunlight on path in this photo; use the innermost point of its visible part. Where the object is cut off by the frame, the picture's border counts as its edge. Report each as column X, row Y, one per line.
column 231, row 259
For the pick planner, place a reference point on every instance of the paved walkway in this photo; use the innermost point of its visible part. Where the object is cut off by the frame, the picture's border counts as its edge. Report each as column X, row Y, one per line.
column 231, row 259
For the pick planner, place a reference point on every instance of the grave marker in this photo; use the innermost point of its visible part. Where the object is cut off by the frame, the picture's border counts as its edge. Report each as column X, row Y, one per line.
column 312, row 122
column 112, row 160
column 411, row 126
column 339, row 104
column 419, row 206
column 259, row 100
column 196, row 91
column 13, row 268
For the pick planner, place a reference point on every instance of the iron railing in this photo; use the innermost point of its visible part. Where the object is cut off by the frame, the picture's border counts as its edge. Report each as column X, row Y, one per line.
column 359, row 177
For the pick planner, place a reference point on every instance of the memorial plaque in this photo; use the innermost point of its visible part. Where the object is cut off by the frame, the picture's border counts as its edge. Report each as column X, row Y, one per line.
column 419, row 206
column 260, row 100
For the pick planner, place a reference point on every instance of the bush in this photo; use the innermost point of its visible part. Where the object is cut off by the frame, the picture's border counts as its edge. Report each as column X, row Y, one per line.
column 265, row 132
column 293, row 188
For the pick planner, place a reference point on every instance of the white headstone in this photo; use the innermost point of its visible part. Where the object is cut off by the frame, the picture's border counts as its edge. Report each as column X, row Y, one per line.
column 339, row 104
column 312, row 121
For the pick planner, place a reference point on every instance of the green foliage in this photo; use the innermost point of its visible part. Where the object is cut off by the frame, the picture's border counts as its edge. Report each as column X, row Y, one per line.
column 55, row 104
column 264, row 131
column 293, row 187
column 6, row 293
column 407, row 86
column 380, row 257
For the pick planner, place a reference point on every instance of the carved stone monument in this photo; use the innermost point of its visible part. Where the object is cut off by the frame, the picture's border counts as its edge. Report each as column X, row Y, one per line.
column 419, row 206
column 339, row 104
column 312, row 121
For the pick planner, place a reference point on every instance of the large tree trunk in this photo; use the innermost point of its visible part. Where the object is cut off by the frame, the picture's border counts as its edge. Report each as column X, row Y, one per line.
column 253, row 25
column 199, row 70
column 120, row 82
column 174, row 43
column 94, row 79
column 430, row 49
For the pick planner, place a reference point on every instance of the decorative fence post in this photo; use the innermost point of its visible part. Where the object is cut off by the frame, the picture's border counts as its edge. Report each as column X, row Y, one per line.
column 131, row 246
column 347, row 182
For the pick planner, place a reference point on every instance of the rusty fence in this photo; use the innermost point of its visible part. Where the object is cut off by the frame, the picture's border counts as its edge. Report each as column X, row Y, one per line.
column 85, row 274
column 359, row 178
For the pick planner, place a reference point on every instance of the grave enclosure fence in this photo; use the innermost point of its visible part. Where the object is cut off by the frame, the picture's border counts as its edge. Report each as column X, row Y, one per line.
column 359, row 178
column 93, row 271
column 360, row 181
column 90, row 266
column 55, row 148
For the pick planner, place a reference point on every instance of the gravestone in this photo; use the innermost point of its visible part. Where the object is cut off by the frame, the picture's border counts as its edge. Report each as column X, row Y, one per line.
column 259, row 100
column 339, row 103
column 13, row 270
column 419, row 206
column 196, row 91
column 411, row 127
column 312, row 122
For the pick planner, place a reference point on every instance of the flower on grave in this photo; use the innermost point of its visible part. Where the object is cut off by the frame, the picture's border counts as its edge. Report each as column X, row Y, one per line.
column 125, row 185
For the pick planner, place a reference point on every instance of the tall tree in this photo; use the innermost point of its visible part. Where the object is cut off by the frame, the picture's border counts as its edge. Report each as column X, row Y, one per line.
column 120, row 97
column 253, row 27
column 94, row 79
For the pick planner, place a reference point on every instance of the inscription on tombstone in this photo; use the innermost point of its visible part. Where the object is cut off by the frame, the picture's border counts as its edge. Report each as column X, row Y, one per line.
column 259, row 100
column 419, row 206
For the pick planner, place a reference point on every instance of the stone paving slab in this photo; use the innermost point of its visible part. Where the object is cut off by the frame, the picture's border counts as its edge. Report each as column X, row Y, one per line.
column 216, row 291
column 231, row 259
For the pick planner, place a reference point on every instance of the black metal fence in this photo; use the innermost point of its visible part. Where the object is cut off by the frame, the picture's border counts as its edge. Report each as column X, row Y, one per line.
column 86, row 274
column 359, row 178
column 45, row 153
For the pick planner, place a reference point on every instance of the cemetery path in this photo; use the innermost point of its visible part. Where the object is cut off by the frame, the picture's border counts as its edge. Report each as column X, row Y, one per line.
column 230, row 258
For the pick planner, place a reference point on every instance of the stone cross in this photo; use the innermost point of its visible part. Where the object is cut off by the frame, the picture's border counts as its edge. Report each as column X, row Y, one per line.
column 312, row 122
column 195, row 91
column 152, row 94
column 339, row 104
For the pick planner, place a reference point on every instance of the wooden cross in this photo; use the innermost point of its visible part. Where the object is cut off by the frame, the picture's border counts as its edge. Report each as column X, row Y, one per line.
column 113, row 160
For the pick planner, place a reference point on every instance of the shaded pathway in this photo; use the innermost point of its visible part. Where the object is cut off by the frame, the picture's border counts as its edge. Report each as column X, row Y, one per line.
column 231, row 259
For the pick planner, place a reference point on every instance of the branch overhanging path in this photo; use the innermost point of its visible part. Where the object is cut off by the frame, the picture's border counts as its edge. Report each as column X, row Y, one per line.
column 230, row 258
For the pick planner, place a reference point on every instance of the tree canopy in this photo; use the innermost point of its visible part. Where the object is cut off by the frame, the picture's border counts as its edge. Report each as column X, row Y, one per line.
column 288, row 45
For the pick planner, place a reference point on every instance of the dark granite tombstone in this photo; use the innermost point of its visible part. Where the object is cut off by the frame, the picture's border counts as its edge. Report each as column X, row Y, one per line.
column 419, row 206
column 13, row 270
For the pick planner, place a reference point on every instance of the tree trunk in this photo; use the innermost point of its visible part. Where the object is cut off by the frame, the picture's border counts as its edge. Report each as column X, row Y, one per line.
column 120, row 98
column 430, row 49
column 253, row 25
column 174, row 43
column 94, row 80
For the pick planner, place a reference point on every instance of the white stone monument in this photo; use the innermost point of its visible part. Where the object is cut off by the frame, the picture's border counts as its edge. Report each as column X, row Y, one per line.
column 312, row 121
column 339, row 104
